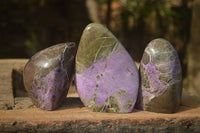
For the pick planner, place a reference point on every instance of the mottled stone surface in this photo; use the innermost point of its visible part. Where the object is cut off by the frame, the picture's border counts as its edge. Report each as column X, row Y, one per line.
column 161, row 78
column 48, row 73
column 106, row 76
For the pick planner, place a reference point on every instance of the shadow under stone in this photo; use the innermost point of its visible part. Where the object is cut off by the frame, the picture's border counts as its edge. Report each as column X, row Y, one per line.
column 70, row 103
column 17, row 83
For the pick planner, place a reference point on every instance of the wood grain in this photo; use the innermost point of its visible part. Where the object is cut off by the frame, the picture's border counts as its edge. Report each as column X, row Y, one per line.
column 6, row 92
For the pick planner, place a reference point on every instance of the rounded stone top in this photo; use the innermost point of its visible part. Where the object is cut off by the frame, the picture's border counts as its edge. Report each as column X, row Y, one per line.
column 96, row 42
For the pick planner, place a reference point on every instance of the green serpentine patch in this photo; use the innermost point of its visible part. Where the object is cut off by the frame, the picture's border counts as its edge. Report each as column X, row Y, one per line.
column 97, row 42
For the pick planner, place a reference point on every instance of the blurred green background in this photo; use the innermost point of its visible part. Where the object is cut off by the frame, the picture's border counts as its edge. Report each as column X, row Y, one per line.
column 29, row 26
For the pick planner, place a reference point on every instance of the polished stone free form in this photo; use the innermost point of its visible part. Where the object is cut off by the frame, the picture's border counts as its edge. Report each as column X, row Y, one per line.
column 161, row 78
column 48, row 73
column 106, row 76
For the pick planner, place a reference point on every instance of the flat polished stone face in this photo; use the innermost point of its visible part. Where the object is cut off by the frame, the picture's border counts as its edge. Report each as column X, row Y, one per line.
column 161, row 78
column 48, row 73
column 107, row 78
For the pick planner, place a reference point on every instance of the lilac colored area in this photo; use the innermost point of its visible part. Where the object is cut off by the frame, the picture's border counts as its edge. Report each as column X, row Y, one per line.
column 170, row 65
column 54, row 86
column 47, row 75
column 109, row 76
column 156, row 86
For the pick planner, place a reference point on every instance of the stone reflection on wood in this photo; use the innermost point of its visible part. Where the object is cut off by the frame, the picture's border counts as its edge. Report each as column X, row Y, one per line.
column 107, row 78
column 48, row 73
column 161, row 78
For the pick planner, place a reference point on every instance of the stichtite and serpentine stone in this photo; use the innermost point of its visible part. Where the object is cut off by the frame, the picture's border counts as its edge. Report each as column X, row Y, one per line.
column 48, row 73
column 161, row 78
column 107, row 78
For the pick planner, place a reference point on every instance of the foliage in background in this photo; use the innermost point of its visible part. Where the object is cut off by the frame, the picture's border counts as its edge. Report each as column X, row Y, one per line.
column 141, row 10
column 31, row 25
column 32, row 43
column 171, row 22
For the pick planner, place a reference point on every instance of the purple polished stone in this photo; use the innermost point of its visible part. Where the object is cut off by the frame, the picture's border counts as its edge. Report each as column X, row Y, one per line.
column 48, row 73
column 107, row 78
column 161, row 78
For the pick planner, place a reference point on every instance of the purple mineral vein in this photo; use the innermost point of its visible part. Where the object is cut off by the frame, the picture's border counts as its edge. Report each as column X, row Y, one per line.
column 154, row 74
column 109, row 76
column 52, row 69
column 54, row 86
column 170, row 65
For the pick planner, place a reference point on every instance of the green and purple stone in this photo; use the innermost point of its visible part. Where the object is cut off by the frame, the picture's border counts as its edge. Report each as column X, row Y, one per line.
column 161, row 78
column 107, row 78
column 48, row 73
